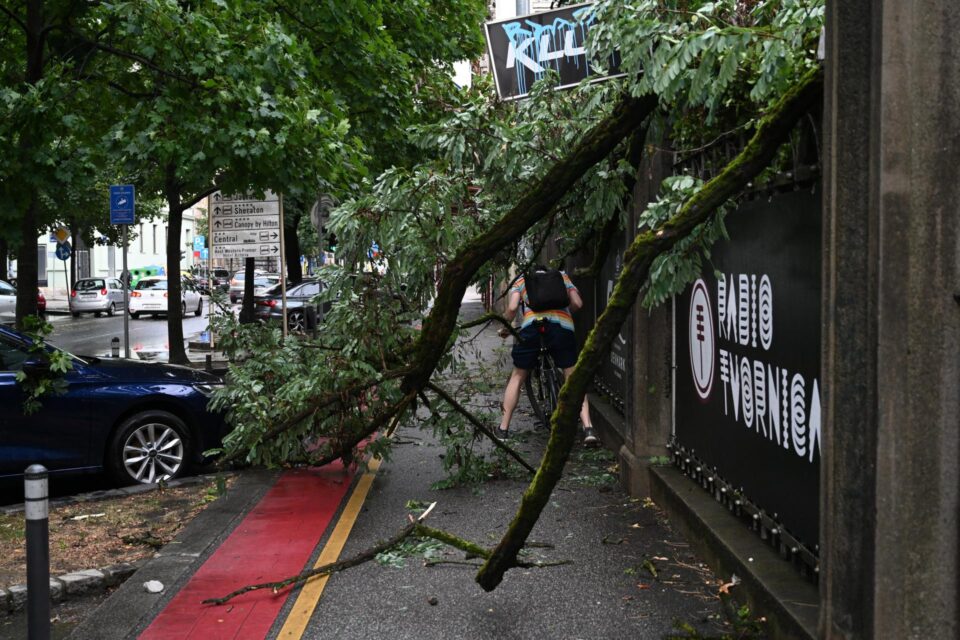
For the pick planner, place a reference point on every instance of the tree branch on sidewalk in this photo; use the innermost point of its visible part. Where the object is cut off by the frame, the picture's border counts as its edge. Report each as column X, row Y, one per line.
column 771, row 132
column 480, row 426
column 414, row 528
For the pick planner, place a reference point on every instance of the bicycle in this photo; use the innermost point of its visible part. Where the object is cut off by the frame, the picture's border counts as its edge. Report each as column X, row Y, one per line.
column 543, row 382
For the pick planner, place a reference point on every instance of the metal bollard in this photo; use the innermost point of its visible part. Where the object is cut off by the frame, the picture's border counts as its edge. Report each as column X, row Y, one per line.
column 37, row 510
column 115, row 347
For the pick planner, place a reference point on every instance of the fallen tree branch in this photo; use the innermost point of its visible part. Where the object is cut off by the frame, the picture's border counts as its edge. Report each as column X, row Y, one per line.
column 772, row 131
column 414, row 528
column 480, row 426
column 538, row 202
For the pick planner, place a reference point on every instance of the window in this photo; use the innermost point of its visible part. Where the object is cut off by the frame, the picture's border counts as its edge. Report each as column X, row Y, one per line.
column 523, row 7
column 154, row 238
column 11, row 357
column 6, row 289
column 141, row 237
column 89, row 285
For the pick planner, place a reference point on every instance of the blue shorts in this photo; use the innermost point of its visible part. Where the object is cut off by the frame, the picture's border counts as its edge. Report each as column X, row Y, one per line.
column 561, row 345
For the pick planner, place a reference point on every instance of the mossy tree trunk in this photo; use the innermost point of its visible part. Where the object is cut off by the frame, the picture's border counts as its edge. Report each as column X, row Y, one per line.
column 772, row 131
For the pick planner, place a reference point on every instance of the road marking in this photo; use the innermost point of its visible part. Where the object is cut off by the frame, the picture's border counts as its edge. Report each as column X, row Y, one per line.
column 296, row 623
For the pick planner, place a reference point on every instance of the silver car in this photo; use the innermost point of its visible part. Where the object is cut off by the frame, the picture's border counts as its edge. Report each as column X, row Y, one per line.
column 99, row 295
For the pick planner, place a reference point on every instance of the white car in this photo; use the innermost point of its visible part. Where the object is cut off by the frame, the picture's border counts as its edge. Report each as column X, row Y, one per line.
column 150, row 296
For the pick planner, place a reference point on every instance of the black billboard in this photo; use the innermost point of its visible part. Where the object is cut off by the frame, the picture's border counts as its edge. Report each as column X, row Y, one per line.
column 612, row 376
column 748, row 359
column 523, row 48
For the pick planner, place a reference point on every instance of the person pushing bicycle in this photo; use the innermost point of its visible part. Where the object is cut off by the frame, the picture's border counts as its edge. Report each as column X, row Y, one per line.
column 548, row 298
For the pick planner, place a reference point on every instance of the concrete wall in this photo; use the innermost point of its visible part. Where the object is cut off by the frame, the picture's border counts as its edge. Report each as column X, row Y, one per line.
column 891, row 353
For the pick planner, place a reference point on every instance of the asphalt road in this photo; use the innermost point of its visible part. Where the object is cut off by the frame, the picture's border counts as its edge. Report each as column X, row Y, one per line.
column 88, row 335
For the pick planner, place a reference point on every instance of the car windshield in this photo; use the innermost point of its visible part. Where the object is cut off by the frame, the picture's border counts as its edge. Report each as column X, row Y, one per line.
column 90, row 285
column 157, row 285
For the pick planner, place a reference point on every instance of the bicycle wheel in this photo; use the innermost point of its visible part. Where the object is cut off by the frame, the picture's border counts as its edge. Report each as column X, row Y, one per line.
column 552, row 379
column 536, row 392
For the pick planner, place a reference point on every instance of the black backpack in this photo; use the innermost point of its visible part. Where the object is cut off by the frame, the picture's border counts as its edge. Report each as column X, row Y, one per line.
column 546, row 289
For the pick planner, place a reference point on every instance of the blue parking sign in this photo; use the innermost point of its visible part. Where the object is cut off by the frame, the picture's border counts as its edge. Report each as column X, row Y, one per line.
column 121, row 204
column 198, row 242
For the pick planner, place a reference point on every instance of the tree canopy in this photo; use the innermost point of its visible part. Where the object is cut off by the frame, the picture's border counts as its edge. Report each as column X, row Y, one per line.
column 499, row 181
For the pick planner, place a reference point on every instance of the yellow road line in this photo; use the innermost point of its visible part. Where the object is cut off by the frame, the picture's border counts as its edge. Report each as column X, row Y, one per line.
column 296, row 622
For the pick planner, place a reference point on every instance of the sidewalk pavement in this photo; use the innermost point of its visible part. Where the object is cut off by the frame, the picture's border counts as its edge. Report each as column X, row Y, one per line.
column 627, row 573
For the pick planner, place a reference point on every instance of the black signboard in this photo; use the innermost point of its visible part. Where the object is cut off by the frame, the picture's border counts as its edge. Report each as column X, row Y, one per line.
column 523, row 48
column 748, row 382
column 612, row 376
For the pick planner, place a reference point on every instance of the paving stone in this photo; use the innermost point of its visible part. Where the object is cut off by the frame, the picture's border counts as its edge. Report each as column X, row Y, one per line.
column 117, row 573
column 83, row 581
column 56, row 590
column 18, row 596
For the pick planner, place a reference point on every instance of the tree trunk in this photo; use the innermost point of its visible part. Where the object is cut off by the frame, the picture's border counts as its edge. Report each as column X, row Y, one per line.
column 27, row 253
column 4, row 256
column 291, row 247
column 774, row 129
column 178, row 354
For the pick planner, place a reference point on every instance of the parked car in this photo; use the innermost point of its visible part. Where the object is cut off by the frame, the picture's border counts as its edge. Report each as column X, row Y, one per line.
column 97, row 295
column 139, row 421
column 8, row 301
column 211, row 279
column 261, row 284
column 150, row 296
column 220, row 279
column 236, row 284
column 301, row 306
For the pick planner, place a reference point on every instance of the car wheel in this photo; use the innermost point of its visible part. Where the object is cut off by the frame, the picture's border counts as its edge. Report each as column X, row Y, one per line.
column 183, row 309
column 148, row 447
column 295, row 321
column 199, row 311
column 96, row 314
column 233, row 299
column 112, row 309
column 76, row 314
column 134, row 314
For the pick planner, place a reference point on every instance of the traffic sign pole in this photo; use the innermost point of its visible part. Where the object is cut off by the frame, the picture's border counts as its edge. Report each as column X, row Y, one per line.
column 126, row 298
column 283, row 272
column 211, row 308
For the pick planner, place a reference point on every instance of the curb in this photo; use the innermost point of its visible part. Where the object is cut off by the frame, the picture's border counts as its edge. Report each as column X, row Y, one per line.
column 77, row 583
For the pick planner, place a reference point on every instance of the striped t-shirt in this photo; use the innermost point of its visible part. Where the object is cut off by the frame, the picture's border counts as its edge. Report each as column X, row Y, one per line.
column 560, row 316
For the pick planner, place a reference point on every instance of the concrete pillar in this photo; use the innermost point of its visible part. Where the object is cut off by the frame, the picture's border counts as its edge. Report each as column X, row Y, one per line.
column 891, row 348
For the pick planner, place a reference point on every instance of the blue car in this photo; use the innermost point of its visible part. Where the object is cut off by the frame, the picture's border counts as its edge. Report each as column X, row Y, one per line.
column 139, row 421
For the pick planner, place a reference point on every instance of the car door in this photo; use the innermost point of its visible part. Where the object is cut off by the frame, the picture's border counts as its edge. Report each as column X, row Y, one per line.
column 57, row 435
column 115, row 291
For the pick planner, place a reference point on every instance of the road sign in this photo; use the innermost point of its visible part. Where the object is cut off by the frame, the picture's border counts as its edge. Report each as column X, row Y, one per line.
column 63, row 250
column 204, row 254
column 121, row 204
column 244, row 226
column 198, row 242
column 61, row 234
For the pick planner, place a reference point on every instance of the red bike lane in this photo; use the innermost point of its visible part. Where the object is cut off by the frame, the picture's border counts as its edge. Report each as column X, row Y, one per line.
column 274, row 541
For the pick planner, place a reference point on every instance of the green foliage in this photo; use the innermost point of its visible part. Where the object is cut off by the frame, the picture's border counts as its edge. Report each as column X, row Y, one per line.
column 715, row 67
column 396, row 557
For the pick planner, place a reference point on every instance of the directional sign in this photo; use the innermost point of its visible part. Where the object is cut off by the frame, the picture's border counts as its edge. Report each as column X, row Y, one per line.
column 244, row 225
column 63, row 250
column 121, row 204
column 204, row 254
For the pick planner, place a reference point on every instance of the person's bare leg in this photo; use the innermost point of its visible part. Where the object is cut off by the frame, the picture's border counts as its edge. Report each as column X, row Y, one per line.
column 511, row 396
column 584, row 408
